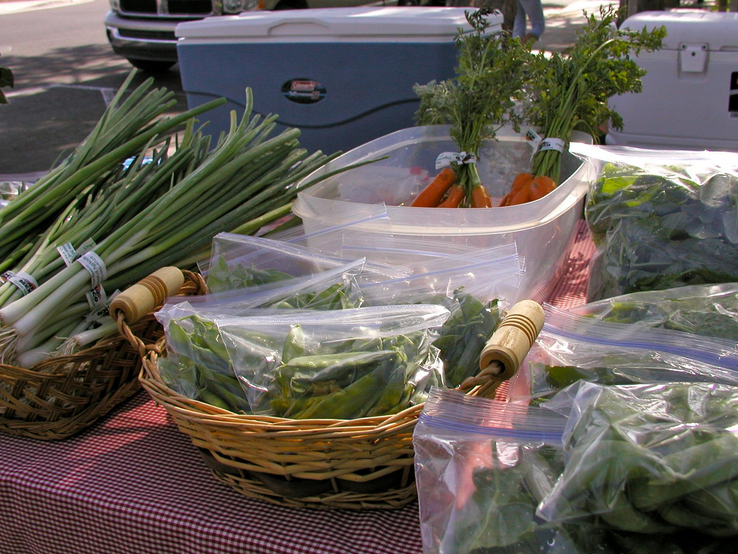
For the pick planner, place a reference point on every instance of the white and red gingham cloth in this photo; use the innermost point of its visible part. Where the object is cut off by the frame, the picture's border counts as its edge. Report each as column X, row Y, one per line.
column 133, row 483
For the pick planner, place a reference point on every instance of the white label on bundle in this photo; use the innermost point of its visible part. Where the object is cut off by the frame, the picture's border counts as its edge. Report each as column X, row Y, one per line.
column 23, row 281
column 102, row 310
column 67, row 252
column 96, row 296
column 95, row 267
column 533, row 138
column 552, row 144
column 445, row 159
column 5, row 276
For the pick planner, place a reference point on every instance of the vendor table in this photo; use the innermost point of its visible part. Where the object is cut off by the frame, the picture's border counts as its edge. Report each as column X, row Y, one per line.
column 133, row 483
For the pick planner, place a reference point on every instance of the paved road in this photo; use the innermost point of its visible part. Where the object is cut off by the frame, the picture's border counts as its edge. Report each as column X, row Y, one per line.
column 65, row 73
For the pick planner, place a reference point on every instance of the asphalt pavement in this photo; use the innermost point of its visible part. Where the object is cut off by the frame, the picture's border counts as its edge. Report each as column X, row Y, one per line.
column 45, row 120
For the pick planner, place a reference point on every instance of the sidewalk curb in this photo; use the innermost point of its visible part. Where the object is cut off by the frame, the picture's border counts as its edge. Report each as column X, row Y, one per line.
column 31, row 5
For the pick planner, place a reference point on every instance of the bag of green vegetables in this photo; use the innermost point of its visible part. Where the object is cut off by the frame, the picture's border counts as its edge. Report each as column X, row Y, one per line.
column 707, row 310
column 474, row 289
column 340, row 364
column 482, row 467
column 661, row 219
column 654, row 465
column 197, row 365
column 573, row 347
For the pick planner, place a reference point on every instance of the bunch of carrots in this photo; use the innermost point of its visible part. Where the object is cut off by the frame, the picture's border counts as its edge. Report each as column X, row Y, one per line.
column 444, row 191
column 526, row 188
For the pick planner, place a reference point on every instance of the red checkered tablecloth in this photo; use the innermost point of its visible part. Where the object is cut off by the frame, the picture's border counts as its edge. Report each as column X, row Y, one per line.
column 133, row 483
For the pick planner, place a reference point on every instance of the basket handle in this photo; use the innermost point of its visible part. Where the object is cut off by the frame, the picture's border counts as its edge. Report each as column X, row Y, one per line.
column 506, row 349
column 140, row 299
column 150, row 292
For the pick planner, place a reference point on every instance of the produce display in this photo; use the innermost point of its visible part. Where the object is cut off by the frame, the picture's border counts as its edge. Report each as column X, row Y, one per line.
column 618, row 433
column 662, row 220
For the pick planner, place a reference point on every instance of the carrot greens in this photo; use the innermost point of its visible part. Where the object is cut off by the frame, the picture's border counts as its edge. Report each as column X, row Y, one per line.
column 480, row 99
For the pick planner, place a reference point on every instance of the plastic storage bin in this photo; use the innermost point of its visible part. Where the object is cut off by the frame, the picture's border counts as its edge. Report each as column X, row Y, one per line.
column 343, row 76
column 542, row 230
column 690, row 93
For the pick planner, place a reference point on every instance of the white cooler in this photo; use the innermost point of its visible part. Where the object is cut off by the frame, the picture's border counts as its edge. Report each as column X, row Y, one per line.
column 343, row 76
column 690, row 93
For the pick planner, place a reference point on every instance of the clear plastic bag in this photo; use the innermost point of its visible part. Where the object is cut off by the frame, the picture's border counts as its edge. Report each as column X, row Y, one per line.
column 341, row 364
column 197, row 365
column 659, row 460
column 474, row 294
column 239, row 261
column 334, row 289
column 572, row 347
column 481, row 468
column 661, row 219
column 707, row 310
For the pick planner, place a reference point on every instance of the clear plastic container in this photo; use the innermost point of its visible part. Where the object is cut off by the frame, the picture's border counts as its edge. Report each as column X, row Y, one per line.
column 543, row 230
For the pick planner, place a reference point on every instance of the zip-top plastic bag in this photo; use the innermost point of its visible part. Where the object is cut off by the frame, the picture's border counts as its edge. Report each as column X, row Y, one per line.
column 656, row 465
column 239, row 261
column 334, row 289
column 482, row 467
column 572, row 348
column 474, row 292
column 661, row 219
column 707, row 310
column 341, row 364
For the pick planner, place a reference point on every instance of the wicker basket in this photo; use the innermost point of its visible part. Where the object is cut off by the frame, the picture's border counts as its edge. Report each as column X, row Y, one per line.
column 364, row 463
column 62, row 395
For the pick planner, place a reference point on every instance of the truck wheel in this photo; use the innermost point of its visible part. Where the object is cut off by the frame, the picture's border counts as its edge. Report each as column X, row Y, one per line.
column 152, row 66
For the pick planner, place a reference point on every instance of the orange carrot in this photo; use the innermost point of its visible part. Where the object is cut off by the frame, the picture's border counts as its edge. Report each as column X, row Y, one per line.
column 432, row 194
column 541, row 186
column 480, row 197
column 455, row 195
column 521, row 197
column 522, row 180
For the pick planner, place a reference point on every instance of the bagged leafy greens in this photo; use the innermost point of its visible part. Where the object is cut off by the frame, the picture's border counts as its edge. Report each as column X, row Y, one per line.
column 340, row 364
column 707, row 310
column 473, row 289
column 658, row 460
column 482, row 467
column 661, row 219
column 572, row 347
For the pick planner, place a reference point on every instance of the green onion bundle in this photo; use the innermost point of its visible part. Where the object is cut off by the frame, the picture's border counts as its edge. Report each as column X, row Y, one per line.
column 247, row 180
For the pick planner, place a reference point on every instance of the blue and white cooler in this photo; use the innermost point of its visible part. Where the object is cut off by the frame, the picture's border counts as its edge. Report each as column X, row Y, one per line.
column 343, row 76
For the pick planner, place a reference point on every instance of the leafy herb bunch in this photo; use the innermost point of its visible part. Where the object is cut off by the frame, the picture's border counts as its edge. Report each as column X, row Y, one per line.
column 571, row 90
column 480, row 99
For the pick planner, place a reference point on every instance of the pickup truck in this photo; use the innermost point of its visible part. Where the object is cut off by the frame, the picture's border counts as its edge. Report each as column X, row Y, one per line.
column 142, row 31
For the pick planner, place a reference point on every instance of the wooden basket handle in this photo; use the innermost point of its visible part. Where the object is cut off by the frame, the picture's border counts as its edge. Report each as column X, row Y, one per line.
column 506, row 349
column 149, row 293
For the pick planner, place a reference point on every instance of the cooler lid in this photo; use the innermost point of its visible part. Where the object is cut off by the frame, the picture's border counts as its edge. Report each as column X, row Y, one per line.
column 403, row 24
column 719, row 30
